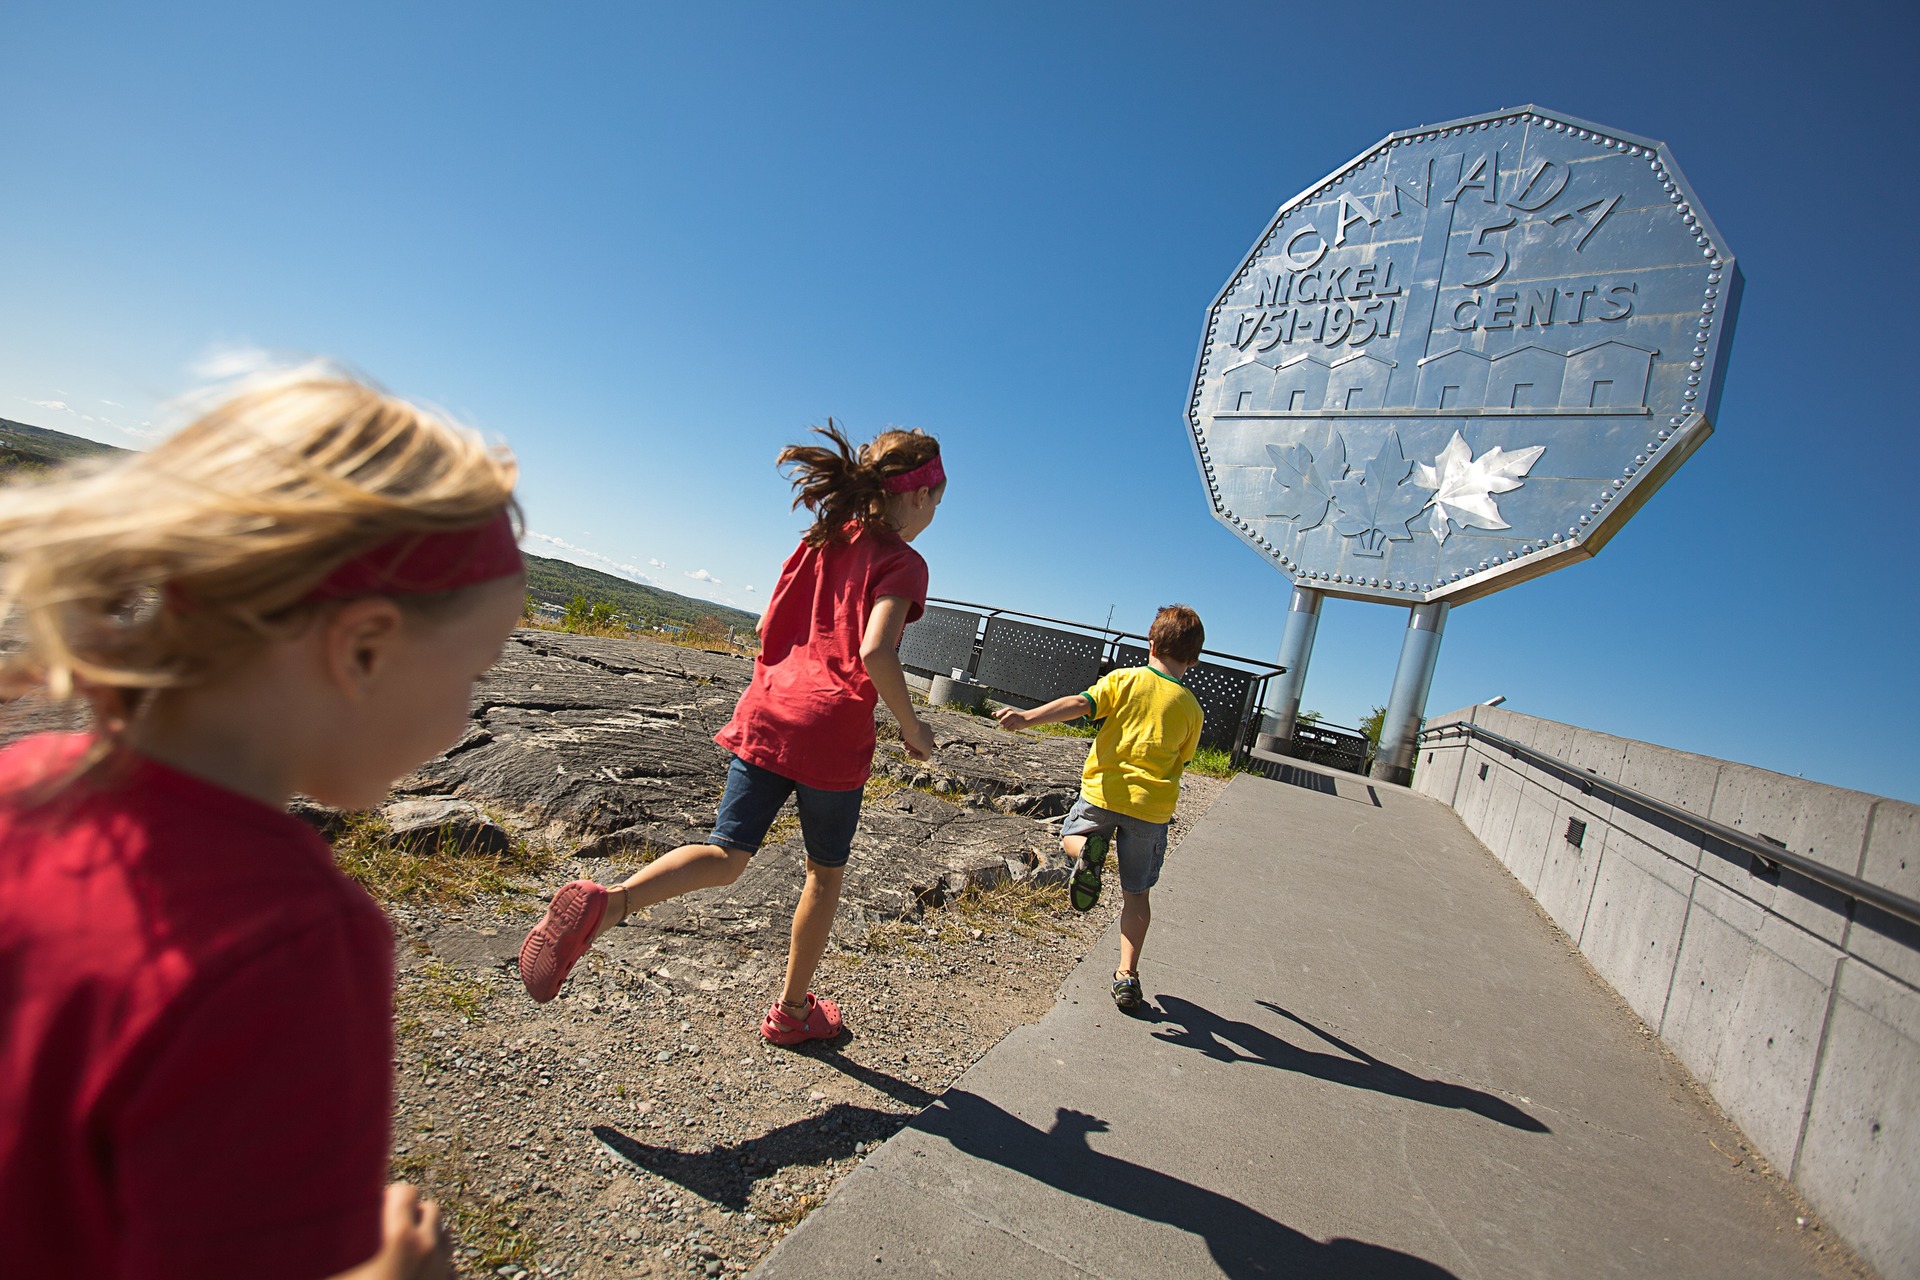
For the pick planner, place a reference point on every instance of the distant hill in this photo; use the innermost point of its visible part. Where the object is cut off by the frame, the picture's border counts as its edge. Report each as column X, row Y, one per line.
column 25, row 448
column 557, row 582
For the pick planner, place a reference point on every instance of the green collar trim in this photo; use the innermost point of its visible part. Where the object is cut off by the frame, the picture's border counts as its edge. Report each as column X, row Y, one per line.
column 1164, row 676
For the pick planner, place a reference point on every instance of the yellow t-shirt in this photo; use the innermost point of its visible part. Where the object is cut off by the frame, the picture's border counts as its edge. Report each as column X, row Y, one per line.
column 1152, row 730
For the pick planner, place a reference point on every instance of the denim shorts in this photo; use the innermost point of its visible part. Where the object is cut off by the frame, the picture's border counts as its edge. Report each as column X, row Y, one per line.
column 1140, row 846
column 752, row 801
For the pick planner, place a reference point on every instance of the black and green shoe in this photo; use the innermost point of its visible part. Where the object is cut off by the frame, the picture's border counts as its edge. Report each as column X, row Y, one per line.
column 1084, row 889
column 1126, row 992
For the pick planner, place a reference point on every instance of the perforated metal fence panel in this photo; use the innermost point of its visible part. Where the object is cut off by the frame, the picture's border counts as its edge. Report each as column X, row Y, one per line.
column 940, row 642
column 1037, row 662
column 1222, row 693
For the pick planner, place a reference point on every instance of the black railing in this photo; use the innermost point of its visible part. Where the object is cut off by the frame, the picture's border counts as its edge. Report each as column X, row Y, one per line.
column 1334, row 746
column 1004, row 650
column 1766, row 858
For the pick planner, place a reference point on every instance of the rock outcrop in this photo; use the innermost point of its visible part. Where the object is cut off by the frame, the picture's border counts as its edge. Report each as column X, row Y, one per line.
column 607, row 745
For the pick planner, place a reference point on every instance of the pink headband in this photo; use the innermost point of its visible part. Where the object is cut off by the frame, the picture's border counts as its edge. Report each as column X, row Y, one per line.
column 928, row 475
column 419, row 564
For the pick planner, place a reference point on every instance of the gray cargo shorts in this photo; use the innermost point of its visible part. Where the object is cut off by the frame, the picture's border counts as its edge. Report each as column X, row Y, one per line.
column 1139, row 846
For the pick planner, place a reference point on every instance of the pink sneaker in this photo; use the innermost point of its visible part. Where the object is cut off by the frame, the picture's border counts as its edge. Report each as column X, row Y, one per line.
column 561, row 938
column 821, row 1023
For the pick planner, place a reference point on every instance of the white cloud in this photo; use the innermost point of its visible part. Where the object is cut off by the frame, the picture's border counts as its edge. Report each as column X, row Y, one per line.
column 143, row 432
column 658, row 564
column 234, row 360
column 701, row 575
column 620, row 567
column 113, row 404
column 751, row 587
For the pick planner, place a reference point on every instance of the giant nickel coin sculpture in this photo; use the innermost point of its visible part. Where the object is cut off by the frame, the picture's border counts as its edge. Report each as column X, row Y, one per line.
column 1462, row 360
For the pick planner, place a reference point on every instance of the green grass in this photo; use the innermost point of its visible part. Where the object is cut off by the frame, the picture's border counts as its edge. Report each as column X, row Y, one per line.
column 1214, row 762
column 1071, row 729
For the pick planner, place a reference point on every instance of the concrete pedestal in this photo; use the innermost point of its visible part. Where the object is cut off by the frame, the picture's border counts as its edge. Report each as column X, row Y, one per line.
column 948, row 691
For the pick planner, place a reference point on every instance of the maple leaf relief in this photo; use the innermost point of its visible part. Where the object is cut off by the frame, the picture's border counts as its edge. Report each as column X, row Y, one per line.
column 1377, row 502
column 1305, row 483
column 1464, row 485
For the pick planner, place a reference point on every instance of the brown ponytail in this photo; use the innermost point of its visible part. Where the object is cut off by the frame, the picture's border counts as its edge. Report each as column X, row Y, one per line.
column 841, row 486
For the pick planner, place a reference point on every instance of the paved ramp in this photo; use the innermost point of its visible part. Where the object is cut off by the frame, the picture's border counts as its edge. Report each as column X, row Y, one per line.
column 1368, row 1055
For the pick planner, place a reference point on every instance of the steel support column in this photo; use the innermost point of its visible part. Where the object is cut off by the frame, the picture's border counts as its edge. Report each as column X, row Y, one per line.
column 1393, row 761
column 1296, row 648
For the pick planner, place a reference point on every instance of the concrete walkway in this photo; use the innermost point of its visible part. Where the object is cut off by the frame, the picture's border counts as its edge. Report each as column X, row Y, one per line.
column 1368, row 1055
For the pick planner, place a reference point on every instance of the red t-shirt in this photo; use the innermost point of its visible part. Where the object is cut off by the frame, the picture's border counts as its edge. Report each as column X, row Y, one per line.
column 196, row 1036
column 808, row 715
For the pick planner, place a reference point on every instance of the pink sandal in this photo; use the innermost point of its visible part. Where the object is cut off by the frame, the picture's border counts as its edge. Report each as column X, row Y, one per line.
column 821, row 1023
column 561, row 938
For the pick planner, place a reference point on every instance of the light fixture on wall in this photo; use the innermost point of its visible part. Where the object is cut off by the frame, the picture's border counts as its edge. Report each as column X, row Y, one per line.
column 1495, row 700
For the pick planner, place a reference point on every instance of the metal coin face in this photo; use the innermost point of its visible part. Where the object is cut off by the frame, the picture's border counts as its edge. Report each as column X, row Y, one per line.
column 1464, row 359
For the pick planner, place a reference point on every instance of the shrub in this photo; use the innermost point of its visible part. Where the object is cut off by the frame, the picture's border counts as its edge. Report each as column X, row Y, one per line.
column 592, row 618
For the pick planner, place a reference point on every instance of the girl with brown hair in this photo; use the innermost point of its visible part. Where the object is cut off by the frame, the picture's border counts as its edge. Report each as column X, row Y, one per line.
column 804, row 727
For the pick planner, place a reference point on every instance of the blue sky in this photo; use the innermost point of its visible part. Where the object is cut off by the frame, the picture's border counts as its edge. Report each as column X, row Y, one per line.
column 650, row 244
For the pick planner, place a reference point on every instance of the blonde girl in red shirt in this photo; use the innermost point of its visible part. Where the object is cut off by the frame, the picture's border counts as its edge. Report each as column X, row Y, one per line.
column 292, row 595
column 804, row 727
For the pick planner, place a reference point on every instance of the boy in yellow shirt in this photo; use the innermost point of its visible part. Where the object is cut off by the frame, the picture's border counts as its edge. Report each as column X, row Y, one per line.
column 1131, row 782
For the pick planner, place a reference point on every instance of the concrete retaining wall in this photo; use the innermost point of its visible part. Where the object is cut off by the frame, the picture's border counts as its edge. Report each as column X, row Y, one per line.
column 1801, row 1017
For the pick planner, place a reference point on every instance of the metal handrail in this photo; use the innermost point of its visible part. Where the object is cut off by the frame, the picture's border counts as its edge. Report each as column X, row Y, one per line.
column 1271, row 669
column 1110, row 640
column 1852, row 887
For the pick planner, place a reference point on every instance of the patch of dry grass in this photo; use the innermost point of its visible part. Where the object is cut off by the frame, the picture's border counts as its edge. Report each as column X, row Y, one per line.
column 628, row 861
column 785, row 1213
column 448, row 875
column 703, row 643
column 1016, row 907
column 448, row 1172
column 882, row 785
column 437, row 987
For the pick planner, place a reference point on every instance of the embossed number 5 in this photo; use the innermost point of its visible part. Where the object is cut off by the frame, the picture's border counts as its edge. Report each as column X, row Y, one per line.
column 1498, row 268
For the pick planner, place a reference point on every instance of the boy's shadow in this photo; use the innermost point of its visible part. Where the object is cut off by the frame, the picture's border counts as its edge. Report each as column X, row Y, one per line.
column 1243, row 1242
column 1228, row 1041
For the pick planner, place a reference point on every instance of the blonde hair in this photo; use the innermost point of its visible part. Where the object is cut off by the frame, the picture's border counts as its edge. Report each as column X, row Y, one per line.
column 841, row 486
column 155, row 570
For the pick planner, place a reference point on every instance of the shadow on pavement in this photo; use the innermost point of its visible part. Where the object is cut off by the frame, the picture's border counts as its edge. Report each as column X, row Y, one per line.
column 1226, row 1040
column 1243, row 1242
